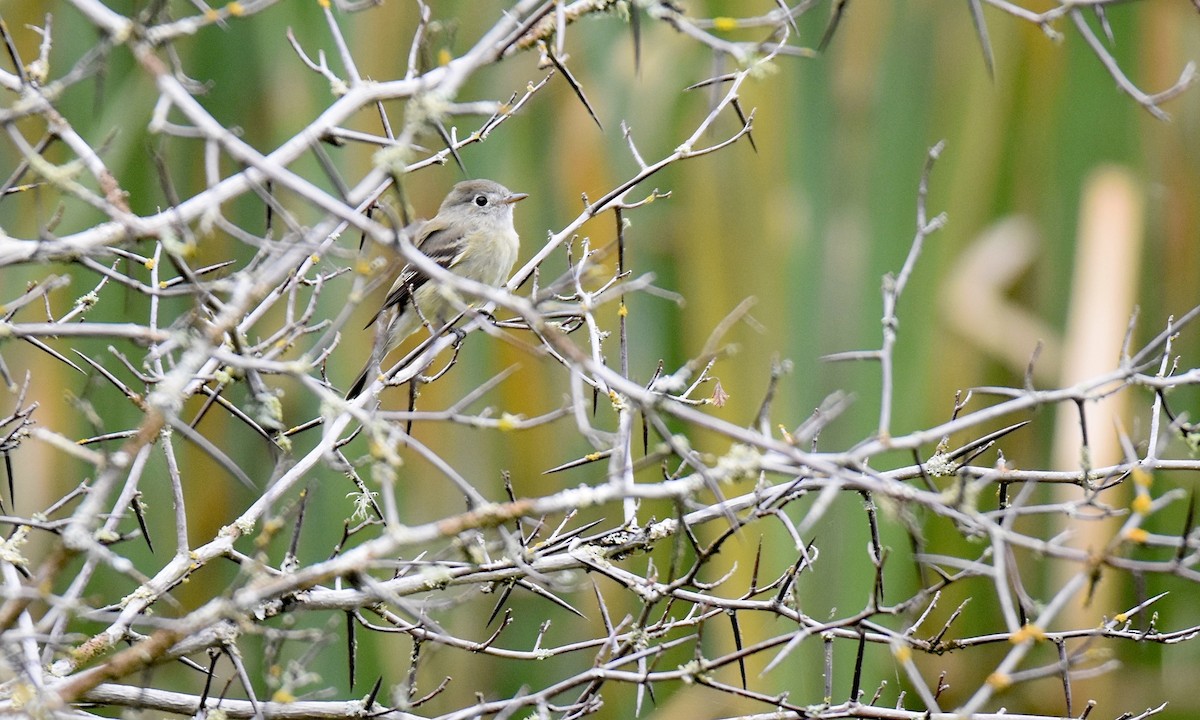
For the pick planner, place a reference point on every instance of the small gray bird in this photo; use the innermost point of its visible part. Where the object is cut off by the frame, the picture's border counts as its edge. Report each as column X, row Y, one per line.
column 473, row 236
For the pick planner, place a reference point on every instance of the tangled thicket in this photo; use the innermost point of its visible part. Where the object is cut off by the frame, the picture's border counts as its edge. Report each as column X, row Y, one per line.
column 643, row 552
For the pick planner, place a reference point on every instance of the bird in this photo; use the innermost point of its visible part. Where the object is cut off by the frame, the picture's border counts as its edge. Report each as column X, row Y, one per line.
column 472, row 236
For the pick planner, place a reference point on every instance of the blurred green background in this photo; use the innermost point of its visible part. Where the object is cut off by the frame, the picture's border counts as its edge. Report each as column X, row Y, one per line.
column 808, row 225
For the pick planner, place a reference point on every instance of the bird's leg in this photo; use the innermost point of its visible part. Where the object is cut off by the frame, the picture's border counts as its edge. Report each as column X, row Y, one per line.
column 447, row 326
column 491, row 316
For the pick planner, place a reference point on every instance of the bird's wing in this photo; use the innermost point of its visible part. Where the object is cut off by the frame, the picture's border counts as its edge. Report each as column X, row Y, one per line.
column 441, row 246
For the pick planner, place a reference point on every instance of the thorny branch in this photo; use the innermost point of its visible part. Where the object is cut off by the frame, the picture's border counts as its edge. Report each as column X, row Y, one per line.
column 648, row 589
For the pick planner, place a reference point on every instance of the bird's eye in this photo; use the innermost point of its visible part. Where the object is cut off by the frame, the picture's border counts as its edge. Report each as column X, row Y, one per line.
column 481, row 200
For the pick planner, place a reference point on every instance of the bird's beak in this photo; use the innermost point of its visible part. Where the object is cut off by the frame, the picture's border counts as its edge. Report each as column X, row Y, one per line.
column 515, row 197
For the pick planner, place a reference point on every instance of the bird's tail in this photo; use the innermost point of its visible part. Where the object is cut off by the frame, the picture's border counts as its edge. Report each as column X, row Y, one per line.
column 360, row 383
